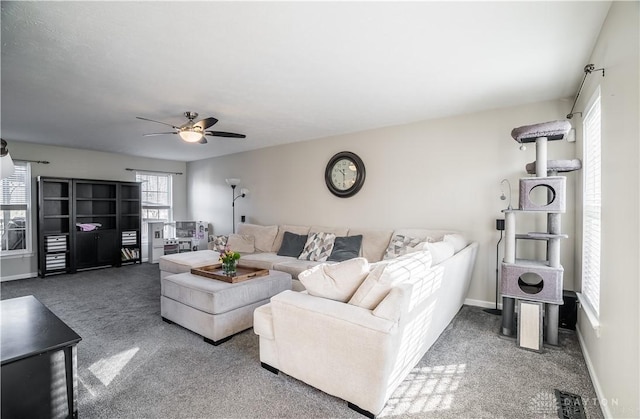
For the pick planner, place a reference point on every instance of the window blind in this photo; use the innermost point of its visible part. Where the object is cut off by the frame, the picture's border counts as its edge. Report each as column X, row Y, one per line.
column 592, row 204
column 14, row 188
column 15, row 211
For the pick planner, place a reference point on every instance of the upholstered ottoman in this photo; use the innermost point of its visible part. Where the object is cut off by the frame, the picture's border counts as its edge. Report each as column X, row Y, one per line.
column 178, row 263
column 214, row 309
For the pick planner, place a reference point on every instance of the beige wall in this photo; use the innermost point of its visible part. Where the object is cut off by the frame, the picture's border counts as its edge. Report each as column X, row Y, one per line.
column 613, row 357
column 441, row 173
column 75, row 163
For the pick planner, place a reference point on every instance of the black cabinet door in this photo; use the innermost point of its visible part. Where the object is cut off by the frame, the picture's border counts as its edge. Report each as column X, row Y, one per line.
column 96, row 248
column 106, row 250
column 85, row 249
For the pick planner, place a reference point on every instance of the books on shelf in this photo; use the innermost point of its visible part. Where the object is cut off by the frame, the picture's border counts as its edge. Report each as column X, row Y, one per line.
column 130, row 253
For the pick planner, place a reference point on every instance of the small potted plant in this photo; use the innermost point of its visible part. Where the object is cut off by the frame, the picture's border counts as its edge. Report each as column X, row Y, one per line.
column 229, row 260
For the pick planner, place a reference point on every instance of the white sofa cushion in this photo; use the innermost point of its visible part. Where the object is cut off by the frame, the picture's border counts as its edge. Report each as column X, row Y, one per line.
column 318, row 247
column 458, row 241
column 374, row 242
column 338, row 231
column 264, row 236
column 440, row 251
column 183, row 262
column 295, row 267
column 427, row 235
column 336, row 282
column 385, row 276
column 262, row 260
column 241, row 243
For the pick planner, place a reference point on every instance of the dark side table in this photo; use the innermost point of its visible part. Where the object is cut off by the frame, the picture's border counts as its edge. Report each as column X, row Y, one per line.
column 39, row 361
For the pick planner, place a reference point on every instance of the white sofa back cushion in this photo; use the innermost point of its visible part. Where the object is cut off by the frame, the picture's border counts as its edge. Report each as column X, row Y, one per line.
column 337, row 281
column 386, row 275
column 374, row 242
column 241, row 243
column 264, row 236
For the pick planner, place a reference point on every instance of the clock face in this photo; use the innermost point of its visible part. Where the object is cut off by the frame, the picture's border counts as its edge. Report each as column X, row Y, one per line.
column 345, row 174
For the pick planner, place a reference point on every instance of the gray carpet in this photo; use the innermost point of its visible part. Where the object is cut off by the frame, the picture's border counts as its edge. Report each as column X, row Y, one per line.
column 133, row 365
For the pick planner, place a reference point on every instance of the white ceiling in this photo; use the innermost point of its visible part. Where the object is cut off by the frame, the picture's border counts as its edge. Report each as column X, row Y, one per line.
column 76, row 74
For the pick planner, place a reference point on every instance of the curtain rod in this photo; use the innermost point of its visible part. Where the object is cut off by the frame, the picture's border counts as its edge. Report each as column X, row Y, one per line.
column 588, row 69
column 32, row 161
column 153, row 171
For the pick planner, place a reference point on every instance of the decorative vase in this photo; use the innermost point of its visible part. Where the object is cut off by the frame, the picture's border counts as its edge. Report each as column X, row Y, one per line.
column 229, row 267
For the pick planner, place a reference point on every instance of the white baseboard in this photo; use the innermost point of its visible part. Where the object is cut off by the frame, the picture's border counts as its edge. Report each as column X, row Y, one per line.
column 19, row 276
column 594, row 378
column 481, row 303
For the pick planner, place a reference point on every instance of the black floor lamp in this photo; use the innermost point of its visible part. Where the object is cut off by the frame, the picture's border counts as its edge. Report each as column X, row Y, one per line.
column 233, row 182
column 500, row 227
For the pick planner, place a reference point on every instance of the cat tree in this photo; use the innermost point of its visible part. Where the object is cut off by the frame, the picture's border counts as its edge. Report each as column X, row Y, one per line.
column 536, row 285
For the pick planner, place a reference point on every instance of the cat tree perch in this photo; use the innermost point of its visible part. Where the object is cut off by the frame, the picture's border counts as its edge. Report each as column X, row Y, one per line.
column 538, row 300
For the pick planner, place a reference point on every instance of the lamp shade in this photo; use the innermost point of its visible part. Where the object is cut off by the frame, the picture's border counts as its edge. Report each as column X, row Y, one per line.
column 233, row 182
column 6, row 166
column 244, row 191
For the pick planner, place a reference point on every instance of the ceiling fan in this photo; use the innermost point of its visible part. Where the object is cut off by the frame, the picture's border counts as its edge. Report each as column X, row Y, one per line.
column 194, row 132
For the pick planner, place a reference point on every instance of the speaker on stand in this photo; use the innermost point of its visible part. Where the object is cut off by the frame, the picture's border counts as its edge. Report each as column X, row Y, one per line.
column 499, row 227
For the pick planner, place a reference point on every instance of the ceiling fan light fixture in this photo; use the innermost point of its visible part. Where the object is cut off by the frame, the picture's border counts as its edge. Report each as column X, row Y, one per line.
column 191, row 135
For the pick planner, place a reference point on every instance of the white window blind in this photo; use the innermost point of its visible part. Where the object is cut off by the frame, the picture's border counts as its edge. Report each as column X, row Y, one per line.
column 15, row 204
column 592, row 204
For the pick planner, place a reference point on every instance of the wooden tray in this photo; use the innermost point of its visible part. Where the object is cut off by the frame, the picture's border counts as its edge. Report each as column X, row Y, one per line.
column 243, row 273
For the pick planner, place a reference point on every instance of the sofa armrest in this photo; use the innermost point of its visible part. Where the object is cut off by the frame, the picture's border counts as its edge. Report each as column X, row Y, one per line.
column 356, row 350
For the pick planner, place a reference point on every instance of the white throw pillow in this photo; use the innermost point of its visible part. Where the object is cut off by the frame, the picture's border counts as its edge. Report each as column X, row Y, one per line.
column 457, row 240
column 336, row 282
column 440, row 251
column 384, row 277
column 241, row 243
column 318, row 247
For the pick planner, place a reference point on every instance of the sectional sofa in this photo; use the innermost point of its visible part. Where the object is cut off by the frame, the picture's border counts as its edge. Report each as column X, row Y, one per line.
column 367, row 320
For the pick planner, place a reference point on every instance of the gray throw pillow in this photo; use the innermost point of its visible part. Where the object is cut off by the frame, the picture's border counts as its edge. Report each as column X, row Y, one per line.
column 345, row 248
column 292, row 244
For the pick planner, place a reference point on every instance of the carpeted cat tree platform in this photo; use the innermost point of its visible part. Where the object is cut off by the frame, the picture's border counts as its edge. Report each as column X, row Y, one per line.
column 536, row 285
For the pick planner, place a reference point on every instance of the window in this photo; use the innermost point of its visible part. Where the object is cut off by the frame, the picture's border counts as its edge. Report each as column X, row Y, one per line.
column 15, row 224
column 157, row 203
column 592, row 204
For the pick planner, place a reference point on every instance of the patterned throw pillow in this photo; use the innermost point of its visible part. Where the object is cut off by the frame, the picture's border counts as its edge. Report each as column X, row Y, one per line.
column 399, row 245
column 318, row 247
column 218, row 243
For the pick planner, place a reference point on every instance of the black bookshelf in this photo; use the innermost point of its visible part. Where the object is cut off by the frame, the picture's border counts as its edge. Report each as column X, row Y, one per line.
column 85, row 223
column 55, row 240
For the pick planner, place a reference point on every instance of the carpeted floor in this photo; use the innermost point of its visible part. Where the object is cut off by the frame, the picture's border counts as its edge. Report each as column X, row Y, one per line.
column 133, row 365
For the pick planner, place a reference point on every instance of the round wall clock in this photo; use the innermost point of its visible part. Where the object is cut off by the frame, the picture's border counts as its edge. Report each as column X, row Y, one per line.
column 344, row 174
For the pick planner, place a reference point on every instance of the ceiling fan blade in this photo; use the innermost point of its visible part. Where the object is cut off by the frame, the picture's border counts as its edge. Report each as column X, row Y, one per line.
column 206, row 123
column 203, row 141
column 225, row 134
column 163, row 123
column 158, row 133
